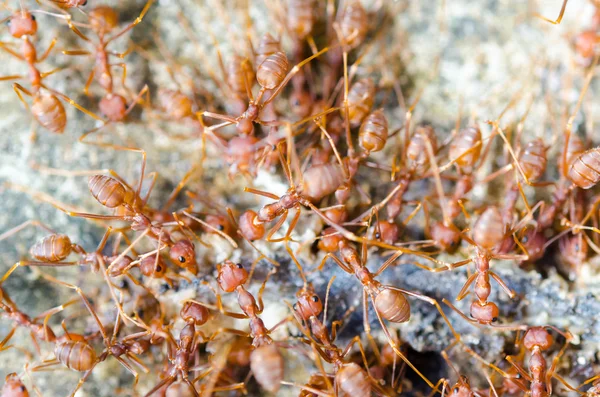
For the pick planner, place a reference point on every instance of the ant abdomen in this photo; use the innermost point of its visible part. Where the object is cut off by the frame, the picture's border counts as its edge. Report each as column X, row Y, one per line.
column 250, row 229
column 353, row 381
column 417, row 159
column 49, row 112
column 361, row 97
column 465, row 148
column 175, row 104
column 393, row 305
column 267, row 365
column 585, row 169
column 488, row 230
column 301, row 17
column 239, row 75
column 354, row 24
column 267, row 46
column 53, row 248
column 533, row 159
column 75, row 355
column 108, row 191
column 272, row 71
column 322, row 180
column 180, row 389
column 373, row 132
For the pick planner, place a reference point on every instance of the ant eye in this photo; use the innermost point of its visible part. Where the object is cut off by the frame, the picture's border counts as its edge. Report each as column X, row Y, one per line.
column 518, row 376
column 315, row 298
column 495, row 319
column 181, row 259
column 159, row 268
column 377, row 235
column 33, row 17
column 456, row 390
column 525, row 239
column 239, row 265
column 220, row 228
column 295, row 306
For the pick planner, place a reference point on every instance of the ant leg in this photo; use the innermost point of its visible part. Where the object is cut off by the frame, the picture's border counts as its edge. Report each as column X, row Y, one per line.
column 431, row 301
column 339, row 262
column 11, row 52
column 291, row 74
column 551, row 372
column 165, row 382
column 261, row 193
column 277, row 226
column 86, row 375
column 136, row 99
column 522, row 371
column 72, row 103
column 464, row 291
column 219, row 306
column 312, row 390
column 261, row 290
column 387, row 263
column 298, row 265
column 214, row 229
column 395, row 348
column 18, row 88
column 88, row 83
column 560, row 15
column 7, row 339
column 229, row 119
column 47, row 52
column 23, row 225
column 502, row 284
column 132, row 24
column 287, row 238
column 86, row 302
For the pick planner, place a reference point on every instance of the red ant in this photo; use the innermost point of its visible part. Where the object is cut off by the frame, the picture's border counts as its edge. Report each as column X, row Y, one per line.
column 103, row 20
column 349, row 377
column 46, row 108
column 390, row 303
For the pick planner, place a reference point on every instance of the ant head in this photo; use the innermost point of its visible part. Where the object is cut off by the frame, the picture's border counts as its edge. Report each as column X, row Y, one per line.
column 485, row 313
column 537, row 336
column 330, row 240
column 14, row 387
column 151, row 267
column 219, row 222
column 22, row 23
column 231, row 275
column 308, row 305
column 114, row 107
column 301, row 103
column 446, row 237
column 183, row 254
column 462, row 388
column 193, row 312
column 103, row 19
